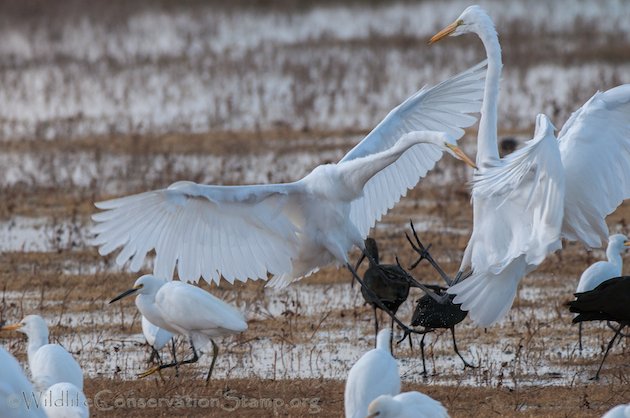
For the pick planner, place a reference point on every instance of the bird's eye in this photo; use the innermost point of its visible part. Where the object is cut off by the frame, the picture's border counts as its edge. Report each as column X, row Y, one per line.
column 460, row 22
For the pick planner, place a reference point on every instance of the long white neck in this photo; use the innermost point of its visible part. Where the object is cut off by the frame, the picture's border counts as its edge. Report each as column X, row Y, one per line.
column 614, row 256
column 487, row 148
column 356, row 173
column 35, row 341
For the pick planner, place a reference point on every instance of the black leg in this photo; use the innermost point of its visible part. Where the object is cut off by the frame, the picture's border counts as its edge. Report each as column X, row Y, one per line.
column 424, row 365
column 610, row 344
column 154, row 356
column 580, row 336
column 152, row 370
column 174, row 354
column 215, row 353
column 466, row 364
column 391, row 337
column 375, row 322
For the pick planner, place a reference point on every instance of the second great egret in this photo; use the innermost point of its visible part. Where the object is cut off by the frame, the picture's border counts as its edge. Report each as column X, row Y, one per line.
column 524, row 203
column 291, row 230
column 16, row 392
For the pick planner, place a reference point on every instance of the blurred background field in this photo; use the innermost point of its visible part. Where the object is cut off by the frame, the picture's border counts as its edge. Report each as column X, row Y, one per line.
column 100, row 99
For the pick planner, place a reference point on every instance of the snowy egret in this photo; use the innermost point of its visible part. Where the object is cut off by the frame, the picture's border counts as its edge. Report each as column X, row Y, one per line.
column 291, row 230
column 48, row 363
column 406, row 405
column 374, row 374
column 388, row 283
column 157, row 338
column 187, row 310
column 603, row 270
column 525, row 202
column 64, row 400
column 16, row 392
column 619, row 411
column 610, row 301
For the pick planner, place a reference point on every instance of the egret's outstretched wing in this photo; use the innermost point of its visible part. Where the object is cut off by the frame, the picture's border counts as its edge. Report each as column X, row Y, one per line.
column 444, row 108
column 524, row 194
column 239, row 232
column 202, row 312
column 595, row 150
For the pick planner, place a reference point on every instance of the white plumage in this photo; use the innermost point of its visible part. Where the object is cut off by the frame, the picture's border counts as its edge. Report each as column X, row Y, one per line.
column 156, row 337
column 406, row 405
column 186, row 310
column 48, row 363
column 619, row 411
column 374, row 374
column 17, row 395
column 524, row 203
column 64, row 400
column 601, row 271
column 291, row 230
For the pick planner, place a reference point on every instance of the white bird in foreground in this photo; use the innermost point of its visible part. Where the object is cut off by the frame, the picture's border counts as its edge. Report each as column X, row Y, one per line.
column 619, row 411
column 374, row 374
column 16, row 392
column 64, row 400
column 48, row 363
column 187, row 310
column 156, row 337
column 601, row 271
column 292, row 229
column 524, row 203
column 406, row 405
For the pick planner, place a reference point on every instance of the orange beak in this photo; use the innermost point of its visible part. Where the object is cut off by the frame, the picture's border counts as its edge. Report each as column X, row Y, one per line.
column 12, row 327
column 445, row 32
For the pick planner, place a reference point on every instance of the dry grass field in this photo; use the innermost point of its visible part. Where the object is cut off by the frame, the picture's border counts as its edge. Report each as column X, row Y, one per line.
column 99, row 101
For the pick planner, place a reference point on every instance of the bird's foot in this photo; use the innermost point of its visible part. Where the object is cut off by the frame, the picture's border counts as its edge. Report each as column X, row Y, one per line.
column 149, row 372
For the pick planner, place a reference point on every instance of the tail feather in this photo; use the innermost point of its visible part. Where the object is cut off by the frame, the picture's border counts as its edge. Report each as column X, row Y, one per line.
column 488, row 296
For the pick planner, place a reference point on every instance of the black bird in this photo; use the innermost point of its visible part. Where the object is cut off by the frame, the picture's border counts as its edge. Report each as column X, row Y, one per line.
column 388, row 282
column 610, row 301
column 436, row 309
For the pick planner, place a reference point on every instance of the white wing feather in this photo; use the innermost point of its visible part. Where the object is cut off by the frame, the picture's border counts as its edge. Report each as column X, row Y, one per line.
column 595, row 150
column 239, row 232
column 518, row 214
column 444, row 108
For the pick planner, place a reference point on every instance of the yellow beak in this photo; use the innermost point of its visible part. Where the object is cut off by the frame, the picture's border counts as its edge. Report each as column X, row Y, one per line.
column 626, row 243
column 12, row 327
column 445, row 32
column 461, row 155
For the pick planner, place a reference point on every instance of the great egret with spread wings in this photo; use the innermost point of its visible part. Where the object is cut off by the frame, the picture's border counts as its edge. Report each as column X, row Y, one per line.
column 291, row 230
column 551, row 188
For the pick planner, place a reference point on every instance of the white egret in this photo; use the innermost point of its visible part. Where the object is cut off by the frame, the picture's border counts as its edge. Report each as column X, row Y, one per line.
column 406, row 405
column 524, row 203
column 16, row 392
column 619, row 411
column 291, row 230
column 187, row 310
column 64, row 400
column 156, row 337
column 603, row 270
column 374, row 374
column 48, row 363
column 609, row 301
